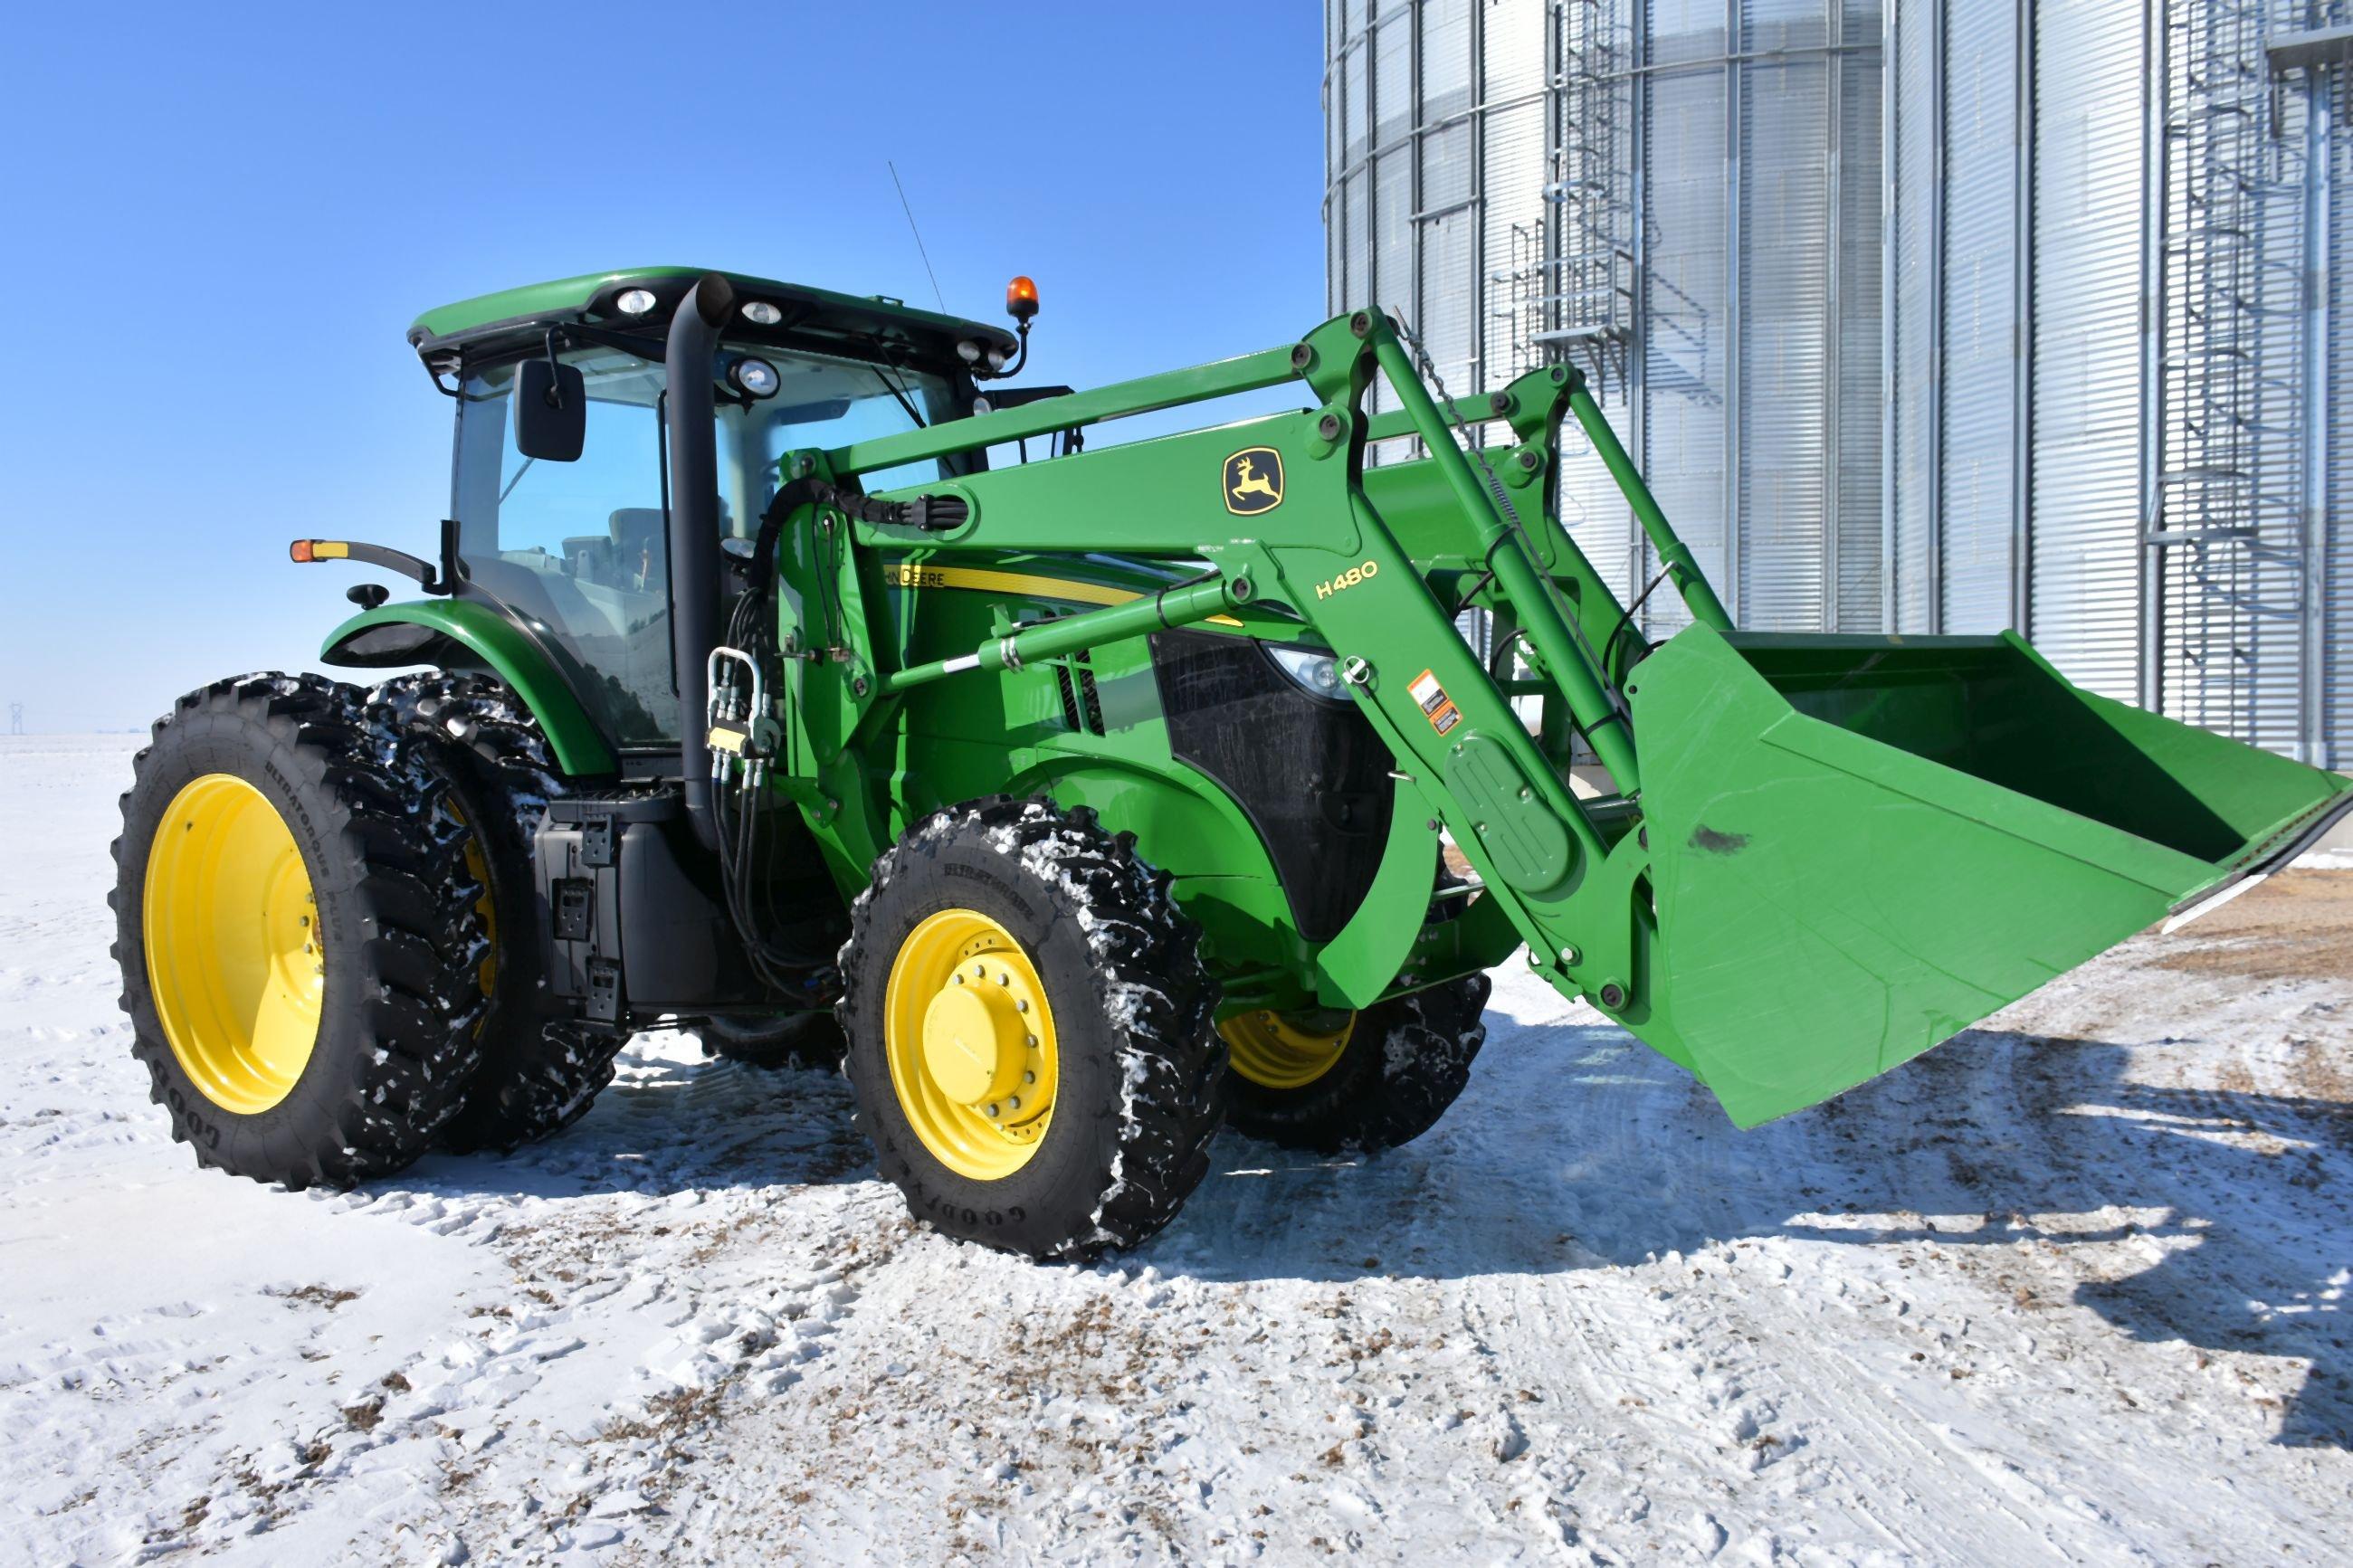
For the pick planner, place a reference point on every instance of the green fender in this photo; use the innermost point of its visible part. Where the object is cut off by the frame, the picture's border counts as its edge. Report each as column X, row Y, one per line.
column 459, row 633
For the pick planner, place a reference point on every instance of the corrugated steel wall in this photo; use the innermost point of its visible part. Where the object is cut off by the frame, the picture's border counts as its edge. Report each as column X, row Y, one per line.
column 1857, row 371
column 2084, row 464
column 1901, row 347
column 2333, row 529
column 1781, row 501
column 1913, row 142
column 1977, row 391
column 1683, row 297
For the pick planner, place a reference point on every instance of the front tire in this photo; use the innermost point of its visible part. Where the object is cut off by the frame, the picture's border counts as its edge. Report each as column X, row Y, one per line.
column 1030, row 1031
column 297, row 933
column 1356, row 1081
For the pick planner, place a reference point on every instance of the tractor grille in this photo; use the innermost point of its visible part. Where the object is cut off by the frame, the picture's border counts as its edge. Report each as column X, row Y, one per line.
column 1308, row 771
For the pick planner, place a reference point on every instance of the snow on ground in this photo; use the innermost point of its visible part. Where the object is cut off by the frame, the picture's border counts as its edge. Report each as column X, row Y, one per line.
column 2070, row 1288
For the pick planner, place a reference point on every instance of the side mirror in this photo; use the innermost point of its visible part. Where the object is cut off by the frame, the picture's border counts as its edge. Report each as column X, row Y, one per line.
column 551, row 410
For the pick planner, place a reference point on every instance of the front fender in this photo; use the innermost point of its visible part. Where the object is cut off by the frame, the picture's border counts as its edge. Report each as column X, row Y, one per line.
column 459, row 633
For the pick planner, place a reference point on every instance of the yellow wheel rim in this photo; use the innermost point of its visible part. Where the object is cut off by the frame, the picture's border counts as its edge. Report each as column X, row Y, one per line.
column 235, row 960
column 477, row 866
column 1276, row 1052
column 970, row 1040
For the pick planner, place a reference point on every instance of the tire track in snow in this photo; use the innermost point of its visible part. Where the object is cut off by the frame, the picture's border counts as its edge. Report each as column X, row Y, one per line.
column 1321, row 1358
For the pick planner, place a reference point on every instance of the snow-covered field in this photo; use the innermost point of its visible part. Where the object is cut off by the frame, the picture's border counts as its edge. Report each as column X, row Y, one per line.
column 2070, row 1288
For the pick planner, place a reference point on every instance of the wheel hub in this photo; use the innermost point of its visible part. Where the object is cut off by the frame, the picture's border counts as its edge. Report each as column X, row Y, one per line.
column 970, row 1039
column 972, row 1043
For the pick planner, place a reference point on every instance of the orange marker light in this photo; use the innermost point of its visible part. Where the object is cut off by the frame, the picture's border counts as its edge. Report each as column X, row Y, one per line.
column 1021, row 299
column 300, row 550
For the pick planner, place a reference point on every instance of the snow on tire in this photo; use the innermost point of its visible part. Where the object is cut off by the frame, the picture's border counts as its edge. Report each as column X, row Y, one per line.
column 540, row 1072
column 273, row 867
column 1138, row 1080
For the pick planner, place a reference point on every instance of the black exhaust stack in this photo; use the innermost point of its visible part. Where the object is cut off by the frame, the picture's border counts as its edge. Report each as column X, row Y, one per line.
column 687, row 363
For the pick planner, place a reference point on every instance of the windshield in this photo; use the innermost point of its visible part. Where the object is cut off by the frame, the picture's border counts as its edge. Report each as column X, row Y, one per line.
column 580, row 547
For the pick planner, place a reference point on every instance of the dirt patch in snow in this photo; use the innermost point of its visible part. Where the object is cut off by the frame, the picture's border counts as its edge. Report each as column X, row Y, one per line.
column 2298, row 925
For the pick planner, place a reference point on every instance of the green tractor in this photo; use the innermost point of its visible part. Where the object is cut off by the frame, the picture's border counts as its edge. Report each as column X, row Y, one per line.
column 1085, row 802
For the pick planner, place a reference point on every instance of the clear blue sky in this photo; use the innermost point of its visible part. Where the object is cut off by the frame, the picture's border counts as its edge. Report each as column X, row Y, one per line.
column 224, row 218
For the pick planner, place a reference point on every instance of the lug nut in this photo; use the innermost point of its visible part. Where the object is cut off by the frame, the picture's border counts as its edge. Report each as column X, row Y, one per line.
column 1015, row 1102
column 1005, row 977
column 1028, row 1078
column 1032, row 1040
column 992, row 1107
column 1022, row 1005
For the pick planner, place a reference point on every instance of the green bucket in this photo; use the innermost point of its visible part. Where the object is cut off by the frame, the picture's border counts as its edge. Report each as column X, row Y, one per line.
column 1860, row 846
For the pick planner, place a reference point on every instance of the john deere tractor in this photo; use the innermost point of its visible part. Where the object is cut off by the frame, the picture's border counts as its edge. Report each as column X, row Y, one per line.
column 786, row 676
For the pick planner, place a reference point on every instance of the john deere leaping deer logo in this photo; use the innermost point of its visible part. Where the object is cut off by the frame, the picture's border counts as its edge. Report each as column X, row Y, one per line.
column 1254, row 480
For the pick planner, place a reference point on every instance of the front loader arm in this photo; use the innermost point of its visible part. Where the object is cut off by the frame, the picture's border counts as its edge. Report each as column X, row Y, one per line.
column 1819, row 860
column 1320, row 550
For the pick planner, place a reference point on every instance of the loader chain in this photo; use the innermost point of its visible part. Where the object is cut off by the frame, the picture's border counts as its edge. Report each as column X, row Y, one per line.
column 396, row 1042
column 540, row 1071
column 1146, row 1002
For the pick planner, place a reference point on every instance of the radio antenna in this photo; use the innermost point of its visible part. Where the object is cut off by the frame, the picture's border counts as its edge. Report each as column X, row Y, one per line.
column 918, row 233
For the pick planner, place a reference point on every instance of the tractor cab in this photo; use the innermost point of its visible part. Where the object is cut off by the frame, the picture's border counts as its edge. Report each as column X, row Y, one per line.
column 562, row 514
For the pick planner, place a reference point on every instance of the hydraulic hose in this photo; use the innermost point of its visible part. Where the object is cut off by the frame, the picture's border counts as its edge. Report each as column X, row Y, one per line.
column 687, row 361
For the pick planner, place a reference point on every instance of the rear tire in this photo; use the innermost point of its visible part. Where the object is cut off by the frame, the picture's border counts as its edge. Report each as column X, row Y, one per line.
column 540, row 1070
column 297, row 933
column 1404, row 1062
column 1049, row 917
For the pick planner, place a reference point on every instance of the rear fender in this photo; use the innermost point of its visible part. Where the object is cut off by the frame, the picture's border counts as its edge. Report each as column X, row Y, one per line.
column 459, row 633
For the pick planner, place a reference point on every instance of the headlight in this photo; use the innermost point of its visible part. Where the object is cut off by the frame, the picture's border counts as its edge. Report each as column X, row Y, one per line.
column 754, row 377
column 1312, row 670
column 762, row 314
column 635, row 301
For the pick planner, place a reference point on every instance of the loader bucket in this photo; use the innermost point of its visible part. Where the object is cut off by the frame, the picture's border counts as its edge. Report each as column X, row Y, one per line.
column 1860, row 846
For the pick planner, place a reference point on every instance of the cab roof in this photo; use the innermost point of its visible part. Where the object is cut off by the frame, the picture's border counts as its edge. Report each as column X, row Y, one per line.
column 806, row 312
